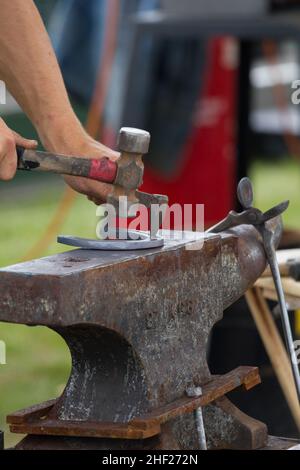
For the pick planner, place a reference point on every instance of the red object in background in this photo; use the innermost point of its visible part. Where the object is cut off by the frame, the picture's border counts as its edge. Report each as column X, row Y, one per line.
column 208, row 164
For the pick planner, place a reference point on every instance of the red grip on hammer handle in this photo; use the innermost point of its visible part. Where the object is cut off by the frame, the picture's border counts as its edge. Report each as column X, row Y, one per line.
column 102, row 169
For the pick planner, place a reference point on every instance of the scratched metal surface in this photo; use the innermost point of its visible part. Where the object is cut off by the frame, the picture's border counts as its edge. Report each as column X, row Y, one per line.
column 78, row 260
column 68, row 287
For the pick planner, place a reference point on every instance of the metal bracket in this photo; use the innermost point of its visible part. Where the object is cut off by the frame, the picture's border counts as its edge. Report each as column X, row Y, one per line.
column 36, row 419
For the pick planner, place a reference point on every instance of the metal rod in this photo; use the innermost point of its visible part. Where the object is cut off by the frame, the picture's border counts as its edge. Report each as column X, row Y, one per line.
column 200, row 429
column 197, row 392
column 271, row 255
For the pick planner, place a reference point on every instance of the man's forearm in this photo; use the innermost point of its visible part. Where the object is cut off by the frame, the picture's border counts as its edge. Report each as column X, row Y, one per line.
column 29, row 68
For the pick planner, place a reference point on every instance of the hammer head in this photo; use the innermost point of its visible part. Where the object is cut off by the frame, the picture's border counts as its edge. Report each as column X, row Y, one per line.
column 132, row 144
column 133, row 140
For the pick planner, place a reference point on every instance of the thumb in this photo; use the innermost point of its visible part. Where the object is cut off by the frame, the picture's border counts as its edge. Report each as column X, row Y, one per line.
column 26, row 143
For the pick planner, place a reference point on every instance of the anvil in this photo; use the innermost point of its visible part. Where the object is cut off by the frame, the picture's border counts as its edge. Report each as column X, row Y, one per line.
column 137, row 324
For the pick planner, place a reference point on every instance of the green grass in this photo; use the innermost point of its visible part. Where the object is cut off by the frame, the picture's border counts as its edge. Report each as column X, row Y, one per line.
column 37, row 368
column 38, row 361
column 273, row 183
column 25, row 214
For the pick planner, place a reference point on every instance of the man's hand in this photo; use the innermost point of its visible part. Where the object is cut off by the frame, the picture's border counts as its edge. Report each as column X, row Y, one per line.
column 76, row 142
column 41, row 93
column 94, row 190
column 8, row 155
column 81, row 146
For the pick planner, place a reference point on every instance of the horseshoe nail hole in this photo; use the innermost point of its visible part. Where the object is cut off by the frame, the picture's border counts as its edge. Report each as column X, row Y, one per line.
column 75, row 260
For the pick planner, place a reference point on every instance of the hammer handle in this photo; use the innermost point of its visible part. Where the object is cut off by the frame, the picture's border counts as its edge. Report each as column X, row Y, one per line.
column 102, row 169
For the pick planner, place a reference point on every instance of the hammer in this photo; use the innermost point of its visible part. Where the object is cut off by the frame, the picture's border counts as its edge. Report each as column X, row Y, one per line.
column 125, row 175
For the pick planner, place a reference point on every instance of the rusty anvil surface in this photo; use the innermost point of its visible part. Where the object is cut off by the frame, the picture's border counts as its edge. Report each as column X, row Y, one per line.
column 137, row 324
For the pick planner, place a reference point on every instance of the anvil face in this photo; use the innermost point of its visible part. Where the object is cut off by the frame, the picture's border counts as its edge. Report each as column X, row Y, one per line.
column 137, row 323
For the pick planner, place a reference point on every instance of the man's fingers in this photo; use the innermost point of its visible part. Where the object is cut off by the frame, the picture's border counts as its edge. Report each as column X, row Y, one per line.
column 96, row 191
column 8, row 157
column 26, row 143
column 96, row 201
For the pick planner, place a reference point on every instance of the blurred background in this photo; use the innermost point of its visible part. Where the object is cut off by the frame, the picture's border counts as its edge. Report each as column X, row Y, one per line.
column 212, row 82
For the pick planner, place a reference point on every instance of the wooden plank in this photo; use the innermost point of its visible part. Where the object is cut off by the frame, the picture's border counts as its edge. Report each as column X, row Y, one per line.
column 292, row 301
column 275, row 348
column 290, row 287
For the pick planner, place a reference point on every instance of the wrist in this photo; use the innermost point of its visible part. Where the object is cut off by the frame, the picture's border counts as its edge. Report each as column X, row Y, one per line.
column 61, row 134
column 66, row 135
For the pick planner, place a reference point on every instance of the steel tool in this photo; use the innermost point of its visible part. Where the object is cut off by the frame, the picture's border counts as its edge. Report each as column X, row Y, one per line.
column 258, row 219
column 125, row 174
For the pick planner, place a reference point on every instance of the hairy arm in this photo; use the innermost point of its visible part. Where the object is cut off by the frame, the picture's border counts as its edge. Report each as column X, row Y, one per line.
column 30, row 70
